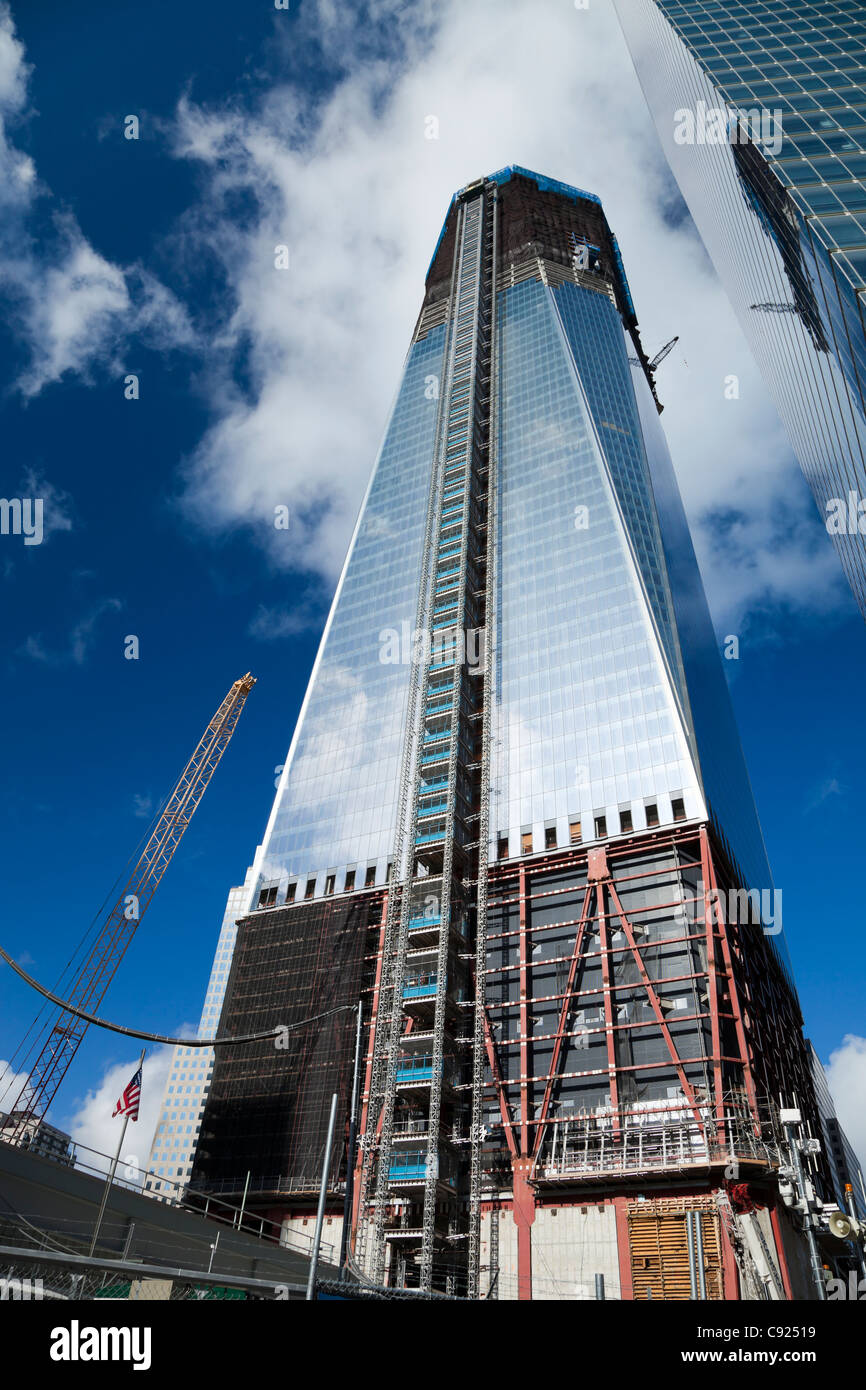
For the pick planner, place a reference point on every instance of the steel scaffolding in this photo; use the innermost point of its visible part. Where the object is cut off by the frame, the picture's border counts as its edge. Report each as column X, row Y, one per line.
column 443, row 817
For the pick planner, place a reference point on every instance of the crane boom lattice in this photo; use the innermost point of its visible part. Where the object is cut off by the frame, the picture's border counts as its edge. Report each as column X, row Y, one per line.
column 106, row 953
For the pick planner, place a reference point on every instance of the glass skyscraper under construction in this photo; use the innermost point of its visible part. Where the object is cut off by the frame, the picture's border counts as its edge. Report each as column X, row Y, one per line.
column 760, row 106
column 516, row 823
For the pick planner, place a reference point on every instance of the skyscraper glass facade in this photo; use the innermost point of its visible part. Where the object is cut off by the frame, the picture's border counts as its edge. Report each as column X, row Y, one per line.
column 844, row 1164
column 761, row 109
column 335, row 807
column 592, row 709
column 514, row 798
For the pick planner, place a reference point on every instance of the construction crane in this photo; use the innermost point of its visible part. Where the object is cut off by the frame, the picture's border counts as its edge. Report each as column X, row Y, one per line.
column 118, row 929
column 663, row 352
column 659, row 357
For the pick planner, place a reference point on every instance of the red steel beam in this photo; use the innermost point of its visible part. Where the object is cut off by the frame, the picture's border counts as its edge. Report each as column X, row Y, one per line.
column 504, row 1108
column 713, row 990
column 623, row 1248
column 524, row 1019
column 607, row 997
column 736, row 1008
column 524, row 1216
column 656, row 1006
column 563, row 1019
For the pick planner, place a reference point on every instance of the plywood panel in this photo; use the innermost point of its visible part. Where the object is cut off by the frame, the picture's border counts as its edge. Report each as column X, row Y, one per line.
column 660, row 1253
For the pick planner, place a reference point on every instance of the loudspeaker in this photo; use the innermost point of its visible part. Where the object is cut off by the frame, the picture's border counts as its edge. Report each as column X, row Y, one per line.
column 841, row 1225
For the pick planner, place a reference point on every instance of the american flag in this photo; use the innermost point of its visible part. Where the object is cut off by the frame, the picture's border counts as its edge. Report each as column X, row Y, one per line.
column 128, row 1103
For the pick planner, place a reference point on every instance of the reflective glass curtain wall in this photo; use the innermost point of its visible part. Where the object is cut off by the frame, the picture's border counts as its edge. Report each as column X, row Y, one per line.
column 335, row 808
column 594, row 714
column 778, row 194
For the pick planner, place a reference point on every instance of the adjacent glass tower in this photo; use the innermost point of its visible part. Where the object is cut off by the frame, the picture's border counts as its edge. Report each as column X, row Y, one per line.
column 188, row 1081
column 761, row 109
column 515, row 821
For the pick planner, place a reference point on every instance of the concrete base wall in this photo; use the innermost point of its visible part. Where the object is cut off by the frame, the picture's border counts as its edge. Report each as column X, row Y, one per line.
column 303, row 1227
column 573, row 1243
column 570, row 1245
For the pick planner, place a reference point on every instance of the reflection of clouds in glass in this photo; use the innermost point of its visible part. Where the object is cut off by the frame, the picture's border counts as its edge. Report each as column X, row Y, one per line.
column 338, row 803
column 586, row 717
column 332, row 753
column 337, row 806
column 378, row 526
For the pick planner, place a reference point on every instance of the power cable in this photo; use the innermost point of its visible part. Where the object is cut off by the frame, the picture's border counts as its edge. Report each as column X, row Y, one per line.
column 274, row 1032
column 19, row 1057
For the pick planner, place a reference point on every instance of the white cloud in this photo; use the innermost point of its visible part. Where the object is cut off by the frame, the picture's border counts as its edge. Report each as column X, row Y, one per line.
column 73, row 312
column 358, row 194
column 84, row 631
column 17, row 174
column 80, row 641
column 11, row 1082
column 72, row 307
column 831, row 786
column 846, row 1075
column 270, row 624
column 56, row 504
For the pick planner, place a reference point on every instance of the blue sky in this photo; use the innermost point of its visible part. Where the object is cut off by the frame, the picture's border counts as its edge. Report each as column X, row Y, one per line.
column 155, row 257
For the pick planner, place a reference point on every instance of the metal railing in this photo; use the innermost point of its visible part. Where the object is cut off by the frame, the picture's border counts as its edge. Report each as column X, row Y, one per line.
column 415, row 1068
column 418, row 1125
column 420, row 987
column 203, row 1201
column 657, row 1137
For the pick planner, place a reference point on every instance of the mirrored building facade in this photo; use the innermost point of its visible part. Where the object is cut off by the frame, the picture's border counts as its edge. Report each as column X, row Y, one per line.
column 516, row 823
column 760, row 106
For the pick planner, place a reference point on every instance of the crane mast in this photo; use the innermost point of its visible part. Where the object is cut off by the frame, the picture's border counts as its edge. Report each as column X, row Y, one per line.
column 118, row 929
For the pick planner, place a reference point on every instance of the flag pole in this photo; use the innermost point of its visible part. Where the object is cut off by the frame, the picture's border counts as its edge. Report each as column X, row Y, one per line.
column 111, row 1172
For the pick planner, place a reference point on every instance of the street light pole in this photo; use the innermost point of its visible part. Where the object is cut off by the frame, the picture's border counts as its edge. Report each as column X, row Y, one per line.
column 320, row 1214
column 350, row 1153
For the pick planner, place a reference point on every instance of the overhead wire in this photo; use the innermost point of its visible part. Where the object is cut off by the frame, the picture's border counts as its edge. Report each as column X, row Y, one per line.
column 78, row 953
column 276, row 1031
